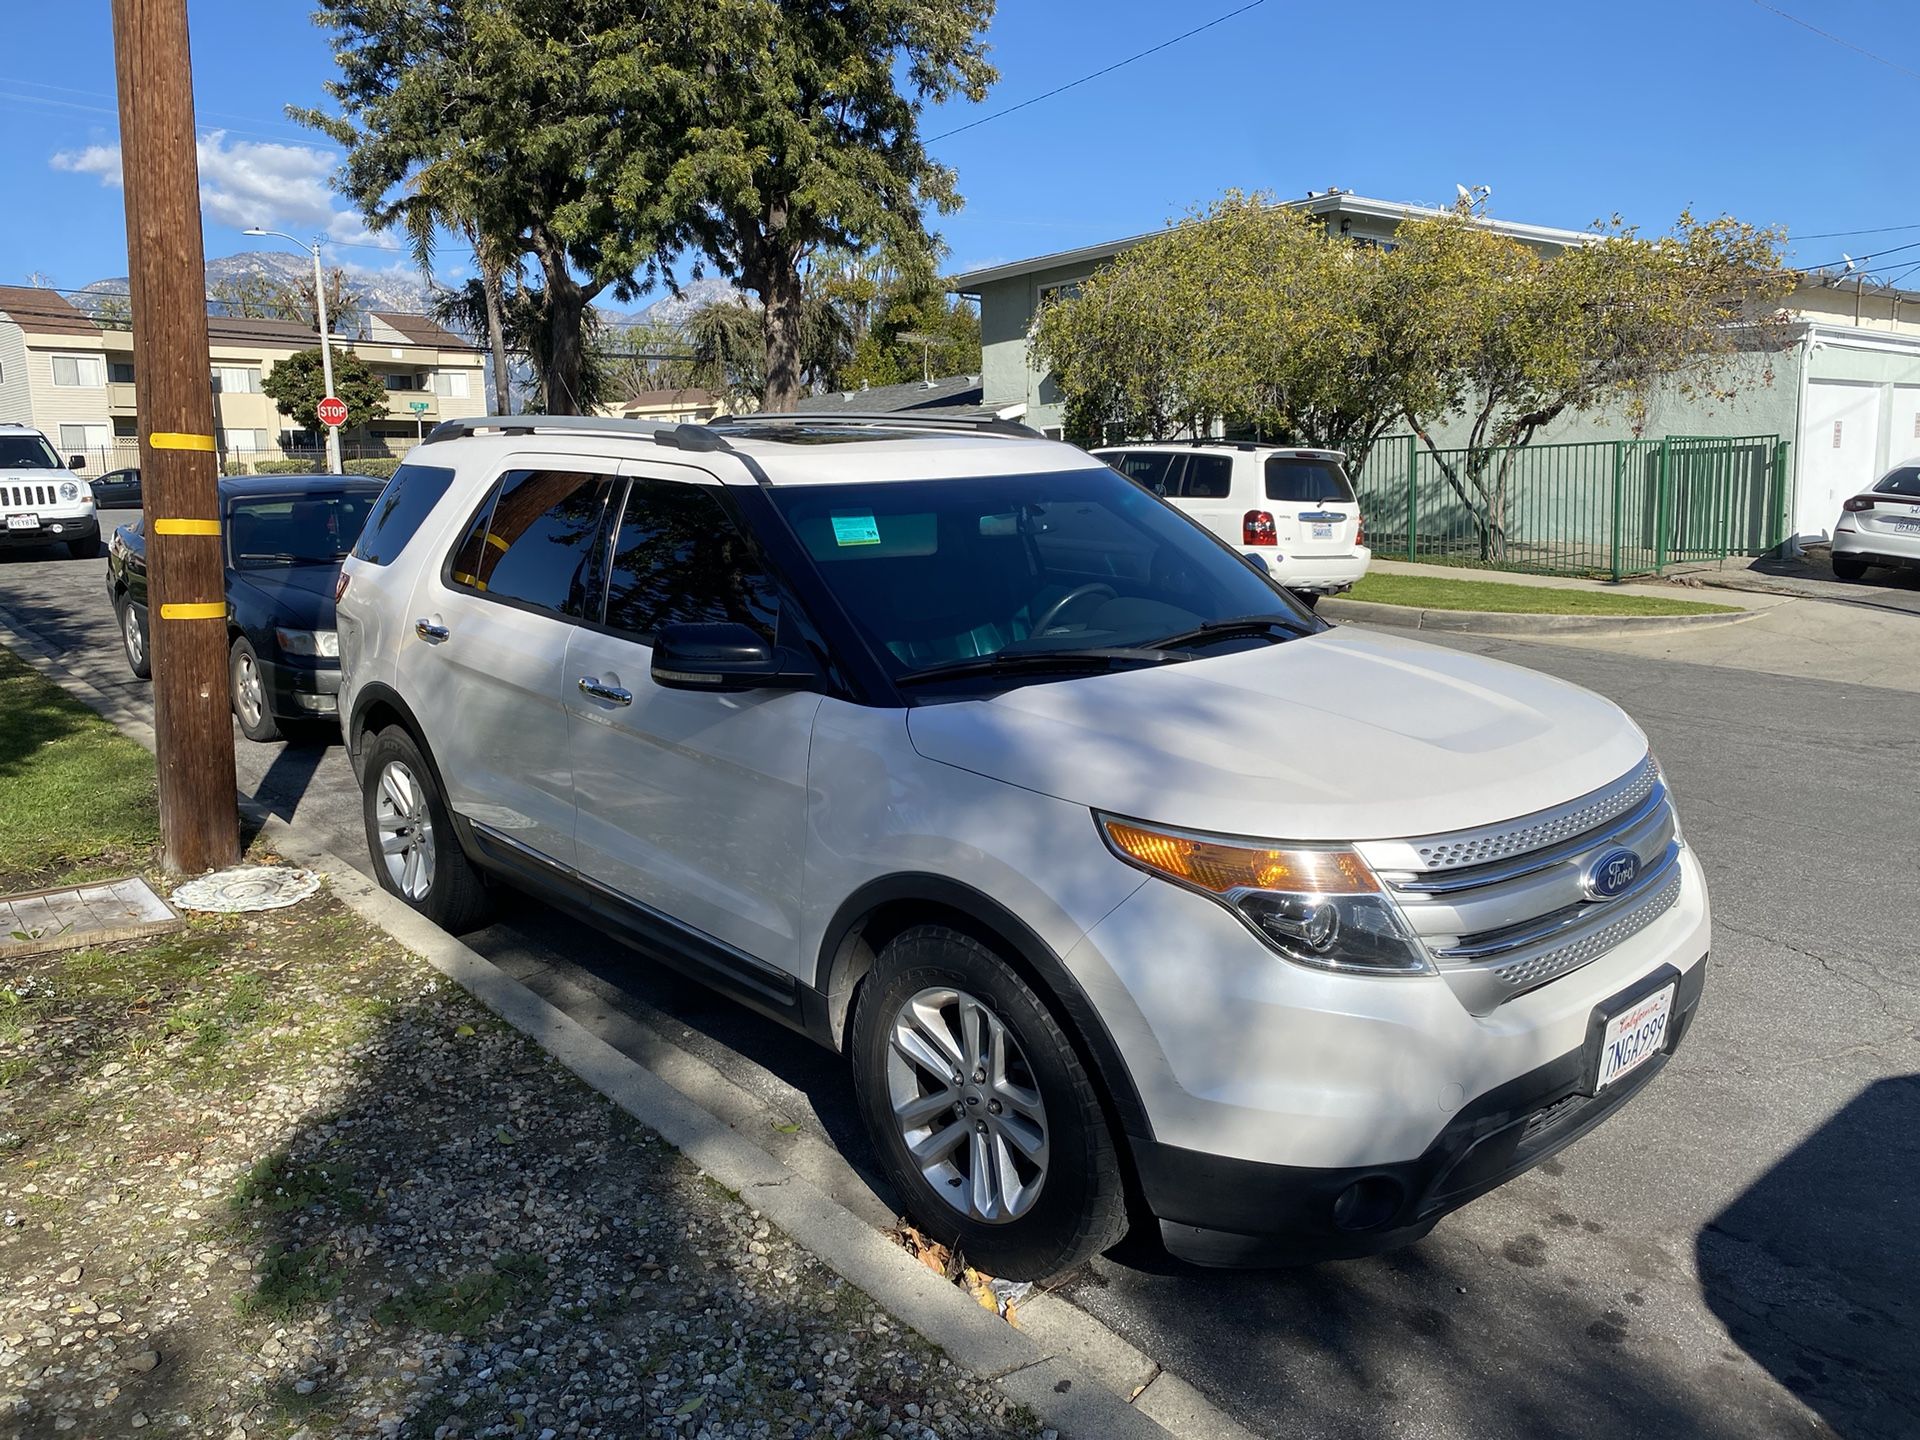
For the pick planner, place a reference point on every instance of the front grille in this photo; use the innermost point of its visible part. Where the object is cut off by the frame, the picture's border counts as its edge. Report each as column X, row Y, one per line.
column 21, row 496
column 1505, row 909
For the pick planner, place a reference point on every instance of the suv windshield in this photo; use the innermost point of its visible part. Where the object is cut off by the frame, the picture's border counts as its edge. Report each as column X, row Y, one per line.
column 27, row 452
column 296, row 529
column 938, row 573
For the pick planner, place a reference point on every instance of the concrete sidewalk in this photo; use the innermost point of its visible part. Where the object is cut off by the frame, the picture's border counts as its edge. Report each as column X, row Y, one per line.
column 1652, row 590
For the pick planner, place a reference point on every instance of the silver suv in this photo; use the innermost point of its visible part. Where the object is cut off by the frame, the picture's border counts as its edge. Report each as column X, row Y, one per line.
column 1113, row 872
column 41, row 501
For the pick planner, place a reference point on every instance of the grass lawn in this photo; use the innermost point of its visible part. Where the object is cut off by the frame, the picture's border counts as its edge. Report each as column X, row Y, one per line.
column 77, row 799
column 1428, row 593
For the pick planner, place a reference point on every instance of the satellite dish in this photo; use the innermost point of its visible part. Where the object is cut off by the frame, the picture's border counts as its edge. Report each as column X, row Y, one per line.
column 1466, row 195
column 1850, row 263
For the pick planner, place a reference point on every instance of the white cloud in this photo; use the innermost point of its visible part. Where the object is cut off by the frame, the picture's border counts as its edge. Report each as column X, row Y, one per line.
column 250, row 182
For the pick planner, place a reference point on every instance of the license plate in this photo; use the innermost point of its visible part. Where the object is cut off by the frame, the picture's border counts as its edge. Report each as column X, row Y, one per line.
column 1323, row 532
column 23, row 522
column 1634, row 1036
column 1902, row 522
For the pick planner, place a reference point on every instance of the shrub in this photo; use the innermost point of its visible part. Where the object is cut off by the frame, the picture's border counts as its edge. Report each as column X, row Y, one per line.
column 379, row 469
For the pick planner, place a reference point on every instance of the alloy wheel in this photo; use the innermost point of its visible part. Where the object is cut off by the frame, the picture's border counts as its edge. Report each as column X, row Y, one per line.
column 405, row 827
column 249, row 694
column 136, row 646
column 967, row 1105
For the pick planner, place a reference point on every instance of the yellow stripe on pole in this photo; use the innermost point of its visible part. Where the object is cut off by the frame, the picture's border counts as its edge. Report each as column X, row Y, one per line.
column 186, row 527
column 199, row 610
column 175, row 440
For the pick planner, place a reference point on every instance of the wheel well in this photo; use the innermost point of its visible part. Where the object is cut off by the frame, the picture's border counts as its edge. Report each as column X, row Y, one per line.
column 866, row 936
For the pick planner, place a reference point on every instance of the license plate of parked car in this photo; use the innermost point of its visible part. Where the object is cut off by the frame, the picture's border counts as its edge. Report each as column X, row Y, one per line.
column 23, row 522
column 1323, row 532
column 1634, row 1036
column 1903, row 522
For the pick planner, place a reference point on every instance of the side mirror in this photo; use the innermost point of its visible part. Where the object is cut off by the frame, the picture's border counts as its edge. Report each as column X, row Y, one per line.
column 76, row 462
column 724, row 656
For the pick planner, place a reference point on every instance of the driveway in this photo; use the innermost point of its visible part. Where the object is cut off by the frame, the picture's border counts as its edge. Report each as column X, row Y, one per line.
column 1732, row 1256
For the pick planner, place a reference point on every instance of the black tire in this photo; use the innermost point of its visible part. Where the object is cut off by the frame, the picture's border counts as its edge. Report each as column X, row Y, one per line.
column 252, row 706
column 1080, row 1207
column 1848, row 567
column 1308, row 598
column 134, row 641
column 453, row 896
column 88, row 549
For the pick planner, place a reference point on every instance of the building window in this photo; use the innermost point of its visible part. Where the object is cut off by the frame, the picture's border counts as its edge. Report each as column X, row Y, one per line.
column 243, row 442
column 120, row 372
column 451, row 384
column 236, row 380
column 75, row 438
column 400, row 380
column 125, row 427
column 79, row 372
column 1067, row 290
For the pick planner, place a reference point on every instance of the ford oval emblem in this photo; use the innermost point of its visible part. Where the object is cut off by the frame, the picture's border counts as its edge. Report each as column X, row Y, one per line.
column 1609, row 875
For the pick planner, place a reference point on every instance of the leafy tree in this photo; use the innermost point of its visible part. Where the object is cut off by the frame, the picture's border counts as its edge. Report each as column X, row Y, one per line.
column 268, row 297
column 882, row 356
column 1509, row 340
column 298, row 385
column 543, row 127
column 803, row 142
column 114, row 311
column 729, row 346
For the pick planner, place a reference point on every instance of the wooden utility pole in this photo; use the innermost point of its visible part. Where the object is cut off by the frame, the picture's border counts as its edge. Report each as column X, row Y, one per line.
column 179, row 472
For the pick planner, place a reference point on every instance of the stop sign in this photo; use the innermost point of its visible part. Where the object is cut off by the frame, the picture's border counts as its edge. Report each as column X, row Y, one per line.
column 332, row 411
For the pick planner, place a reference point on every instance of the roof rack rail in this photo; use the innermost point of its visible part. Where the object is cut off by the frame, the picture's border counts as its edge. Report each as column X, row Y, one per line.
column 900, row 419
column 679, row 437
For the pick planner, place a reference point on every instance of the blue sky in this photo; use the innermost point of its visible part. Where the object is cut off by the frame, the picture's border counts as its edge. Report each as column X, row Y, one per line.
column 1569, row 112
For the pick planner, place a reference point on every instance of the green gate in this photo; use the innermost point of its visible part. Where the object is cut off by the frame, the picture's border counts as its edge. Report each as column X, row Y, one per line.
column 1603, row 507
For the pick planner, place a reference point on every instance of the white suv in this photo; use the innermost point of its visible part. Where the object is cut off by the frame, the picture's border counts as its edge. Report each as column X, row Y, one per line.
column 1113, row 872
column 1292, row 510
column 41, row 503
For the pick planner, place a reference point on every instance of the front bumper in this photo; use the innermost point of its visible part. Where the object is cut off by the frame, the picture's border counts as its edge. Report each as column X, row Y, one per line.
column 1219, row 1211
column 298, row 692
column 55, row 530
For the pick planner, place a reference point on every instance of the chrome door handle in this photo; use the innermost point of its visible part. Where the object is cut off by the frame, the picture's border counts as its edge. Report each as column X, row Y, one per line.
column 427, row 630
column 591, row 686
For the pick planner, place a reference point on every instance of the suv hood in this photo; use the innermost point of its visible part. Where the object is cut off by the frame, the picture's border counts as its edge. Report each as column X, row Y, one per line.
column 1344, row 735
column 299, row 597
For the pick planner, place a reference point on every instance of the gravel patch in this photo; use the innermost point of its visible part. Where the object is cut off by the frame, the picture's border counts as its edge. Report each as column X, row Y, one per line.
column 273, row 1177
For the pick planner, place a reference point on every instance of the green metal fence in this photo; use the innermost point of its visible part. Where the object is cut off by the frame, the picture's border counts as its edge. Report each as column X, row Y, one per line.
column 1608, row 507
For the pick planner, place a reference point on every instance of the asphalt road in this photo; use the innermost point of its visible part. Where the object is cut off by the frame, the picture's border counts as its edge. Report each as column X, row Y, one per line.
column 1732, row 1256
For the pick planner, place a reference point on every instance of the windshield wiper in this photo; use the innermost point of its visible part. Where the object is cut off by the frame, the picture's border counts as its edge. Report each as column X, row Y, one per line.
column 1233, row 627
column 1098, row 658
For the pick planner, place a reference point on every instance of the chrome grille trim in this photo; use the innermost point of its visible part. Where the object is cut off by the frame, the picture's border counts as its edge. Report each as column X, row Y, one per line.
column 1472, row 948
column 1534, row 861
column 1523, row 975
column 1486, row 844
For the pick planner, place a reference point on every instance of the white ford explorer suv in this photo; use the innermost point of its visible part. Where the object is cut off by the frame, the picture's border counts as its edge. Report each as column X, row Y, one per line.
column 1114, row 873
column 41, row 502
column 1294, row 510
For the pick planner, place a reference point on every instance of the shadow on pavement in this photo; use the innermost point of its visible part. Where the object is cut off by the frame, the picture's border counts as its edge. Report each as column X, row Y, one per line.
column 1815, row 1270
column 293, row 767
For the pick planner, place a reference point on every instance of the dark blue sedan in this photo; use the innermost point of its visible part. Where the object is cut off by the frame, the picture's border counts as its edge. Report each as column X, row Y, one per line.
column 284, row 538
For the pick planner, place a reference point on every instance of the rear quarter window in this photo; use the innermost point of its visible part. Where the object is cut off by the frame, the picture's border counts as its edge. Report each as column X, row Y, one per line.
column 404, row 504
column 1144, row 467
column 1293, row 480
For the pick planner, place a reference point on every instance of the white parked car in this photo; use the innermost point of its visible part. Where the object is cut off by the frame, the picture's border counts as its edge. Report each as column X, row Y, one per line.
column 1880, row 525
column 41, row 501
column 1112, row 871
column 1294, row 510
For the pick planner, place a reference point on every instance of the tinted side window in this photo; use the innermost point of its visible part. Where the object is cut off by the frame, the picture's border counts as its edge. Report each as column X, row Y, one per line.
column 535, row 542
column 1904, row 481
column 680, row 558
column 409, row 497
column 1208, row 477
column 1145, row 467
column 1302, row 482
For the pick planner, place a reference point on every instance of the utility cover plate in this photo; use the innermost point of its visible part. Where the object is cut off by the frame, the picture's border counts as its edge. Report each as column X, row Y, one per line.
column 247, row 887
column 77, row 915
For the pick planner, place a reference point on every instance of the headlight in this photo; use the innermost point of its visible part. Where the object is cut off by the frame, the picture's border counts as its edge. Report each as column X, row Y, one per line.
column 69, row 491
column 313, row 643
column 1317, row 906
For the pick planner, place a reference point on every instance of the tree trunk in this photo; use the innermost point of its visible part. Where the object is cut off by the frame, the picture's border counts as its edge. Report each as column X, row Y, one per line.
column 492, row 283
column 563, row 360
column 782, row 293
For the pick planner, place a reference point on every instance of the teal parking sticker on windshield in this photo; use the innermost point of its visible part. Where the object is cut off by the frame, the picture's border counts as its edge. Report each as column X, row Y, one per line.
column 855, row 530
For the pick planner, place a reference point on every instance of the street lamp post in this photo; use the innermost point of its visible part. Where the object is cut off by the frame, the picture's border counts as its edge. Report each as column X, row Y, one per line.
column 326, row 347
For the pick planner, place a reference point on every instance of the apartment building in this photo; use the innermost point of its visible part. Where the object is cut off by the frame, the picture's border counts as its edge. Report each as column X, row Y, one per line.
column 73, row 378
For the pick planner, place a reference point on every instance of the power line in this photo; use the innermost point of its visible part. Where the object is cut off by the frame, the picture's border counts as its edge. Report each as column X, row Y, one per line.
column 1117, row 65
column 1859, row 260
column 1836, row 39
column 1844, row 234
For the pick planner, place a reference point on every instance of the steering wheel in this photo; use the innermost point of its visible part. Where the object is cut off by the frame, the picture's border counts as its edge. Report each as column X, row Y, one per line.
column 1081, row 592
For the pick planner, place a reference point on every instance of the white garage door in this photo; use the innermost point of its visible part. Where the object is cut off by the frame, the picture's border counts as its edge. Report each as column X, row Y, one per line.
column 1839, row 451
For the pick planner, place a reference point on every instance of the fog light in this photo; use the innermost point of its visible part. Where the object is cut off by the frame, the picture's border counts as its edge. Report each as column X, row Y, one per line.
column 1368, row 1203
column 57, row 528
column 326, row 704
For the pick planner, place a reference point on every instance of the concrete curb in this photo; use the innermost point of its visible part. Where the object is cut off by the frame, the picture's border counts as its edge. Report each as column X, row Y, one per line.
column 1076, row 1375
column 1493, row 622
